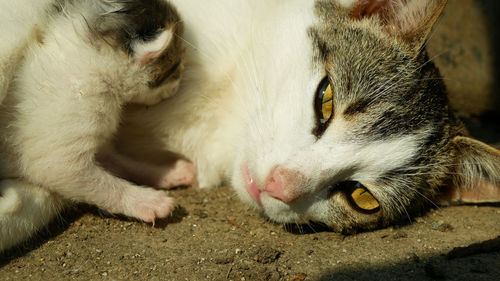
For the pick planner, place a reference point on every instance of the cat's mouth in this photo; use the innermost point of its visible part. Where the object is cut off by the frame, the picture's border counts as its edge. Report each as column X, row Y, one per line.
column 252, row 188
column 267, row 202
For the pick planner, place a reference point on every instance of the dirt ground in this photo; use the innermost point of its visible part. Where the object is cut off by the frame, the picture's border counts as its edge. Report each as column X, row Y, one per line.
column 212, row 236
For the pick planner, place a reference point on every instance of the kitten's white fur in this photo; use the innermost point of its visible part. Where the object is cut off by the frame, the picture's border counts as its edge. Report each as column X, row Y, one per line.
column 63, row 105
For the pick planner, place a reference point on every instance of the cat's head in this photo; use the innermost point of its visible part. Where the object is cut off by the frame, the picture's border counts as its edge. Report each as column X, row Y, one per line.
column 144, row 37
column 349, row 123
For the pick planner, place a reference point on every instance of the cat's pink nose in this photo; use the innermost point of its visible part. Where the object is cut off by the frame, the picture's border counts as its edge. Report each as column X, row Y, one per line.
column 277, row 182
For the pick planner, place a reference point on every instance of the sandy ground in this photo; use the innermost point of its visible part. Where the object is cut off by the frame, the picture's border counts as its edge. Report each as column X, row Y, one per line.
column 212, row 236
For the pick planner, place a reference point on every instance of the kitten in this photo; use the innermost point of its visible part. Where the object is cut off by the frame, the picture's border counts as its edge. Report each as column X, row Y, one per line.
column 65, row 104
column 325, row 111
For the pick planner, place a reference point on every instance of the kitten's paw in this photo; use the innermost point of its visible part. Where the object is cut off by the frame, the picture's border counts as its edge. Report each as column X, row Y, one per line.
column 182, row 174
column 149, row 205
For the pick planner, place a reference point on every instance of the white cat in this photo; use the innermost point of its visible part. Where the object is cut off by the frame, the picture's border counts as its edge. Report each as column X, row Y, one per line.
column 64, row 104
column 314, row 111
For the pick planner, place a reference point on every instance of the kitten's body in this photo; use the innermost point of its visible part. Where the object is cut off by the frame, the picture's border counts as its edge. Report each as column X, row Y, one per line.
column 65, row 103
column 245, row 112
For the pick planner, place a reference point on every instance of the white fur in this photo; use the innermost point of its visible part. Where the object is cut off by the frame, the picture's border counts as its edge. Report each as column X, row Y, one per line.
column 63, row 107
column 24, row 209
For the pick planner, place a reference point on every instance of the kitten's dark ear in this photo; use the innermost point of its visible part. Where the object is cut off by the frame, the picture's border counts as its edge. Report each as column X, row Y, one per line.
column 147, row 51
column 409, row 20
column 476, row 174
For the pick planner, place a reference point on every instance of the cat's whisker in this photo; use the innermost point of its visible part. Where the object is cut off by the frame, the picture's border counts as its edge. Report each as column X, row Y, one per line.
column 396, row 83
column 402, row 205
column 438, row 165
column 405, row 184
column 392, row 86
column 310, row 225
column 285, row 227
column 253, row 82
column 432, row 59
column 377, row 92
column 404, row 68
column 415, row 70
column 423, row 196
column 258, row 82
column 249, row 84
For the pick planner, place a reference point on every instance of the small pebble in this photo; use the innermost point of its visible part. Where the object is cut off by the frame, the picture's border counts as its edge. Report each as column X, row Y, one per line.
column 266, row 255
column 445, row 227
column 298, row 277
column 400, row 234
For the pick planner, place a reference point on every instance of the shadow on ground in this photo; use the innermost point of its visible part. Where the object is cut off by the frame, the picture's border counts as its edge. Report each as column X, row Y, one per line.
column 479, row 261
column 54, row 229
column 477, row 267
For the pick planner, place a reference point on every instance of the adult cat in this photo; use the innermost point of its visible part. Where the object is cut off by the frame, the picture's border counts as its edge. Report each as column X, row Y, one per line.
column 318, row 111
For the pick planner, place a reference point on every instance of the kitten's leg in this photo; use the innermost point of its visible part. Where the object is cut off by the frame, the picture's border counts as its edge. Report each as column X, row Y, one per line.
column 24, row 209
column 60, row 155
column 63, row 161
column 92, row 184
column 175, row 172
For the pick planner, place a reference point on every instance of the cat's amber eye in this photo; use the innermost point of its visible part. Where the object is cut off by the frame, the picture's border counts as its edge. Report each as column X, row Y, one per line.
column 324, row 102
column 362, row 198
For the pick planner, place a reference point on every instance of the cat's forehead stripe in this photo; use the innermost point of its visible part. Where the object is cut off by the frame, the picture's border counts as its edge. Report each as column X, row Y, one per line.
column 356, row 107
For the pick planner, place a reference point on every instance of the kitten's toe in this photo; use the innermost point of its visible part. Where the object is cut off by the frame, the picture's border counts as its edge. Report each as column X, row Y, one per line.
column 182, row 174
column 150, row 205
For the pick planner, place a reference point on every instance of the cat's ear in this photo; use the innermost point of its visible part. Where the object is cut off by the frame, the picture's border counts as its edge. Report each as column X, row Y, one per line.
column 409, row 20
column 145, row 52
column 475, row 177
